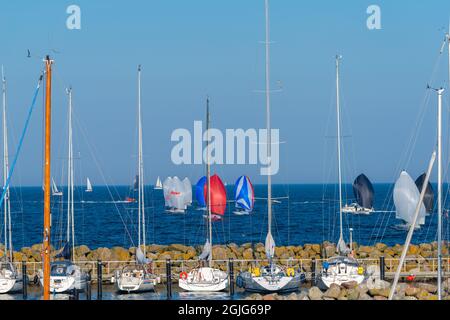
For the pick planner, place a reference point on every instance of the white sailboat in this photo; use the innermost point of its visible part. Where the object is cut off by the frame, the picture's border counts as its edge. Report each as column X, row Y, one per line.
column 177, row 194
column 158, row 184
column 342, row 268
column 205, row 278
column 55, row 191
column 10, row 280
column 138, row 277
column 65, row 275
column 88, row 185
column 271, row 278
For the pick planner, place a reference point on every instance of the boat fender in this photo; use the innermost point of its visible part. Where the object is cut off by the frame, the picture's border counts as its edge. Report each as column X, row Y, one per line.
column 239, row 282
column 256, row 272
column 183, row 275
column 360, row 271
column 290, row 272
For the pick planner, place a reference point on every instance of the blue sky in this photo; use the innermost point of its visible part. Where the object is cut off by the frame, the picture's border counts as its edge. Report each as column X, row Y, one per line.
column 189, row 49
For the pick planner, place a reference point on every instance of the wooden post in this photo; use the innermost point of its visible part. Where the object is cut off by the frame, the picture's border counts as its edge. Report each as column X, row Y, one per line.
column 47, row 218
column 24, row 280
column 99, row 280
column 169, row 279
column 231, row 275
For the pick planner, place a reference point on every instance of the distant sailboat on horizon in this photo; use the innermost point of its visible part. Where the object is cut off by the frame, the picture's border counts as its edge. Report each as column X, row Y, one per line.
column 158, row 185
column 55, row 191
column 88, row 185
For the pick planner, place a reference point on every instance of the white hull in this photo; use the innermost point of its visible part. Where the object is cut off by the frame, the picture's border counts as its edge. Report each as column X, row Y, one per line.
column 62, row 284
column 241, row 213
column 10, row 285
column 175, row 211
column 204, row 280
column 135, row 285
column 356, row 209
column 341, row 272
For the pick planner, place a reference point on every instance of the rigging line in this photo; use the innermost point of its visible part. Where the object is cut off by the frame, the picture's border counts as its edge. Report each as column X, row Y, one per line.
column 22, row 137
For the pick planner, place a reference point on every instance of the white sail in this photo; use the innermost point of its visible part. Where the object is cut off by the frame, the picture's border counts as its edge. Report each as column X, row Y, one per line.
column 270, row 246
column 167, row 185
column 158, row 184
column 174, row 193
column 54, row 187
column 187, row 191
column 140, row 257
column 406, row 197
column 88, row 185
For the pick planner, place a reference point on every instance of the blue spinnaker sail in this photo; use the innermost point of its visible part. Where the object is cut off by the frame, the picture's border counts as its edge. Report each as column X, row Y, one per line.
column 244, row 194
column 199, row 192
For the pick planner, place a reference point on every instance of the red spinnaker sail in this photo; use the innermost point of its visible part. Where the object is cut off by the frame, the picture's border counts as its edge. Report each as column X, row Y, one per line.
column 218, row 195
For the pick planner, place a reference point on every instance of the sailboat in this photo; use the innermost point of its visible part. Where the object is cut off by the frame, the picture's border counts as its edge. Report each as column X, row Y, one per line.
column 343, row 267
column 207, row 279
column 88, row 185
column 55, row 191
column 218, row 198
column 138, row 277
column 428, row 200
column 364, row 194
column 65, row 275
column 273, row 277
column 158, row 184
column 406, row 197
column 10, row 281
column 244, row 196
column 177, row 194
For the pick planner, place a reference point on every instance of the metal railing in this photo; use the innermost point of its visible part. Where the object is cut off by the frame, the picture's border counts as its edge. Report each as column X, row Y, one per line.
column 425, row 268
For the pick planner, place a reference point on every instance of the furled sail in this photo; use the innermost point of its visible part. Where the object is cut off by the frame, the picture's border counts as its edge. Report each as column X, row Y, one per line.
column 218, row 195
column 200, row 191
column 244, row 194
column 206, row 251
column 65, row 253
column 363, row 191
column 270, row 246
column 187, row 191
column 406, row 197
column 428, row 199
column 140, row 257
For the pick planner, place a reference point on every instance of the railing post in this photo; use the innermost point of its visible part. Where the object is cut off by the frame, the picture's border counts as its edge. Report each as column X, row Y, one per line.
column 169, row 279
column 99, row 280
column 88, row 287
column 382, row 268
column 24, row 280
column 231, row 274
column 313, row 271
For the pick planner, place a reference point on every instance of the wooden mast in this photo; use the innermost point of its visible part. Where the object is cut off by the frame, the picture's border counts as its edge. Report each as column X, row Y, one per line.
column 47, row 217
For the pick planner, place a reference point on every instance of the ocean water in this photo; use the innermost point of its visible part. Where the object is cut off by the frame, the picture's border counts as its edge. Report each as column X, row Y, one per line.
column 309, row 214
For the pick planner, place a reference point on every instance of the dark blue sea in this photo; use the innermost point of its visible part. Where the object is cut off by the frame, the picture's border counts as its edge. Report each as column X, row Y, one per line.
column 309, row 214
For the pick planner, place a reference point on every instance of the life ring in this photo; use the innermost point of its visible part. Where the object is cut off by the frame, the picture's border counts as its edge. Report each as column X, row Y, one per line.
column 183, row 275
column 290, row 272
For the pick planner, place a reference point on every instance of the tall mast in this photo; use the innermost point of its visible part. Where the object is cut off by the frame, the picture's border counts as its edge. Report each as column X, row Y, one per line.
column 208, row 183
column 268, row 125
column 70, row 191
column 47, row 217
column 338, row 112
column 141, row 211
column 439, row 156
column 7, row 204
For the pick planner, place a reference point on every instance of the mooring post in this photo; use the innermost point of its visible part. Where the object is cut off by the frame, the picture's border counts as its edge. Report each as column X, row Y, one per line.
column 24, row 280
column 313, row 271
column 88, row 287
column 99, row 280
column 231, row 274
column 169, row 279
column 382, row 268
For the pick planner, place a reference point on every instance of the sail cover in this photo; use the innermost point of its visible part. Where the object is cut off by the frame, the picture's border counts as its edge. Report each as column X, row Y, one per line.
column 406, row 197
column 140, row 257
column 206, row 251
column 200, row 191
column 244, row 194
column 270, row 246
column 65, row 253
column 363, row 191
column 218, row 195
column 428, row 200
